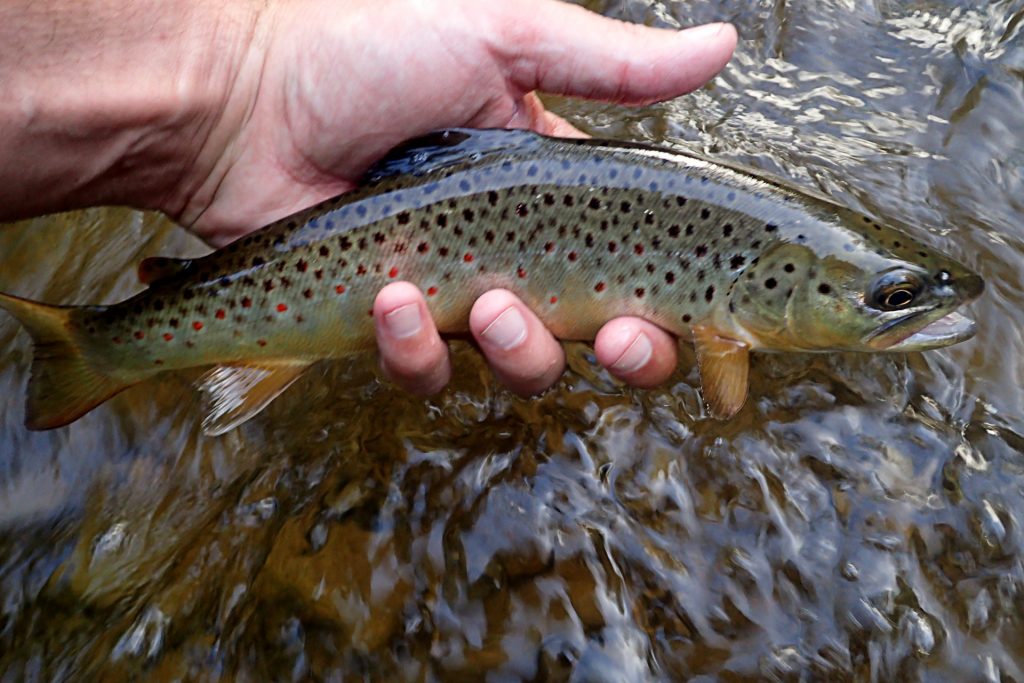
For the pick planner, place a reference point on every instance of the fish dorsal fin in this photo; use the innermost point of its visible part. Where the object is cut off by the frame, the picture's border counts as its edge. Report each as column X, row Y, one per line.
column 724, row 364
column 155, row 268
column 233, row 394
column 447, row 147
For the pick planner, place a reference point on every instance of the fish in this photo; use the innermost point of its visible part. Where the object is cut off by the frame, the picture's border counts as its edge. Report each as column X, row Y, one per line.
column 582, row 230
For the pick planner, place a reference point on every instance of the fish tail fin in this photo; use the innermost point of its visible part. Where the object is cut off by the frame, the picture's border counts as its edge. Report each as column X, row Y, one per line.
column 64, row 384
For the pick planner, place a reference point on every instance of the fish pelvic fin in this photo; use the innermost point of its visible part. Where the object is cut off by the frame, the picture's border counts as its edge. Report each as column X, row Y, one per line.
column 64, row 384
column 233, row 394
column 724, row 366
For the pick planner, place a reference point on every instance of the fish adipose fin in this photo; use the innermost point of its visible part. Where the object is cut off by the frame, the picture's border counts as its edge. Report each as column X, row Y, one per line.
column 724, row 364
column 233, row 394
column 64, row 384
column 155, row 268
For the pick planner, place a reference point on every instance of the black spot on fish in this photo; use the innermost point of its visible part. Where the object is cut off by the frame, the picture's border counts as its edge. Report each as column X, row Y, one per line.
column 625, row 207
column 522, row 210
column 736, row 261
column 680, row 201
column 257, row 261
column 709, row 293
column 492, row 197
column 770, row 227
column 689, row 229
column 403, row 218
column 568, row 200
column 705, row 213
column 825, row 288
column 701, row 250
column 770, row 283
column 670, row 277
column 687, row 318
column 441, row 220
column 727, row 229
column 594, row 203
column 789, row 267
column 324, row 251
column 673, row 231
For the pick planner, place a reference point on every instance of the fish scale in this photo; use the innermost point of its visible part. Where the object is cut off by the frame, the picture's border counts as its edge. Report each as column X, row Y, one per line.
column 582, row 231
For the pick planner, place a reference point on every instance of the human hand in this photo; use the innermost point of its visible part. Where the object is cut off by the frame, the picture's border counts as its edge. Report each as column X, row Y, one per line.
column 333, row 96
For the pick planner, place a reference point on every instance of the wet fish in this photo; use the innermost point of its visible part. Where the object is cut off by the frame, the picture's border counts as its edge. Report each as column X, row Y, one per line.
column 582, row 230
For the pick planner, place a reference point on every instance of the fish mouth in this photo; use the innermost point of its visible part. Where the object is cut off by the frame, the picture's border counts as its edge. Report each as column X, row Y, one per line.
column 949, row 329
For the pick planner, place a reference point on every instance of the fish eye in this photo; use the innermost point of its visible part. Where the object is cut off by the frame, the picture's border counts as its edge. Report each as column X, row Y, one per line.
column 898, row 298
column 895, row 291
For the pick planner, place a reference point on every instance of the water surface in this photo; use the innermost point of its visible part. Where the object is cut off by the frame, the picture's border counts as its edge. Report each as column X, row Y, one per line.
column 859, row 520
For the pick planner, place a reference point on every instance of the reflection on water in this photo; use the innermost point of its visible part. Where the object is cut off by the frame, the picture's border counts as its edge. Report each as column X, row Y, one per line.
column 859, row 520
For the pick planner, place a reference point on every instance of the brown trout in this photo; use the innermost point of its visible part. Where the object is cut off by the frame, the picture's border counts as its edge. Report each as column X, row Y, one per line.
column 582, row 230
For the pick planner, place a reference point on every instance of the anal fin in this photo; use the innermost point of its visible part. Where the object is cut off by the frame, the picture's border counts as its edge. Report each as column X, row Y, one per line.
column 233, row 394
column 724, row 367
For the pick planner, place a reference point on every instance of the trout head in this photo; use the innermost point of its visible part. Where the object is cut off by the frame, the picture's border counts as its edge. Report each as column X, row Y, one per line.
column 869, row 290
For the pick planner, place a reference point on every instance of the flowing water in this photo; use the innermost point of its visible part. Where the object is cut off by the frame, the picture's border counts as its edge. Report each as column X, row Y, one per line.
column 861, row 519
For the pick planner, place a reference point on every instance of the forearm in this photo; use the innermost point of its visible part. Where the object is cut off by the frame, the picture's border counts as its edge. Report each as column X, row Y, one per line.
column 109, row 101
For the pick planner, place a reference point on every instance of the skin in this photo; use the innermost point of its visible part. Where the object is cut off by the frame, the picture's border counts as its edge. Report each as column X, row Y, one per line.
column 227, row 116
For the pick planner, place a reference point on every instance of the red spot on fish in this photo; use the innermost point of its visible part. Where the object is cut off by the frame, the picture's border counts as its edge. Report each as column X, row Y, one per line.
column 361, row 270
column 197, row 325
column 281, row 308
column 468, row 257
column 521, row 272
column 246, row 302
column 599, row 287
column 554, row 299
column 168, row 336
column 220, row 314
column 340, row 289
column 638, row 249
column 572, row 255
column 139, row 334
column 116, row 340
column 393, row 272
column 431, row 291
column 261, row 342
column 422, row 247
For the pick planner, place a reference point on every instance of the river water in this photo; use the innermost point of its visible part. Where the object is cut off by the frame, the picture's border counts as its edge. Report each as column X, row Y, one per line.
column 861, row 519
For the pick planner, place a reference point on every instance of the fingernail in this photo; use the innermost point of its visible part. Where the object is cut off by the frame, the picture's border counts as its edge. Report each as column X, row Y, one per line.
column 634, row 357
column 404, row 322
column 507, row 331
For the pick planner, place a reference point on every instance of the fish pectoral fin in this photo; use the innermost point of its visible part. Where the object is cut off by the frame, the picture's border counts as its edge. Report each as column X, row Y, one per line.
column 155, row 268
column 233, row 394
column 724, row 364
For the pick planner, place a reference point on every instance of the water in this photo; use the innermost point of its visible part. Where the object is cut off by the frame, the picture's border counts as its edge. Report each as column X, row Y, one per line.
column 859, row 520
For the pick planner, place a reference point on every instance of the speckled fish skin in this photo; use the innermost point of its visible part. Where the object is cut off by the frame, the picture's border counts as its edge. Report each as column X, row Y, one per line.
column 582, row 231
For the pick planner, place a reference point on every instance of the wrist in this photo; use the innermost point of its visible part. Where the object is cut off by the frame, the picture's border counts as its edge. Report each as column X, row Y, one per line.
column 114, row 102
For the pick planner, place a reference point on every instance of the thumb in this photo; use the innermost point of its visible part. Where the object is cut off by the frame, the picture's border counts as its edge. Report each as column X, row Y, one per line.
column 567, row 50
